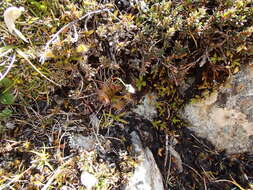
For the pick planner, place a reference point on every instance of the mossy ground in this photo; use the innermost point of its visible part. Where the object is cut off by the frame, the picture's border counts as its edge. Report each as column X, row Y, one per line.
column 152, row 45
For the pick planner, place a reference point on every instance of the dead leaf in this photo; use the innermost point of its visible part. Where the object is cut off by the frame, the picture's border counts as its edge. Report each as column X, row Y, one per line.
column 10, row 16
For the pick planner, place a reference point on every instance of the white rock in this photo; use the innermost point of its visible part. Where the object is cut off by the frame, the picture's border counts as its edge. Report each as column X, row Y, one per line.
column 147, row 108
column 88, row 180
column 87, row 143
column 146, row 175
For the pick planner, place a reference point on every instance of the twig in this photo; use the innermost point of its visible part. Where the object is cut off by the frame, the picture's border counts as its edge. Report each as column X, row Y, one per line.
column 192, row 169
column 205, row 183
column 166, row 150
column 9, row 67
column 231, row 181
column 208, row 148
column 169, row 168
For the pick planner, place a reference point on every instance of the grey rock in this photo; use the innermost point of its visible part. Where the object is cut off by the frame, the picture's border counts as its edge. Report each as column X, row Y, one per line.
column 89, row 143
column 225, row 117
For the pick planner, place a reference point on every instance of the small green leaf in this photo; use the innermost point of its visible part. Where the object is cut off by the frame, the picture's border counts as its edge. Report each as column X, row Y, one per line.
column 7, row 98
column 140, row 83
column 5, row 113
column 6, row 83
column 39, row 5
